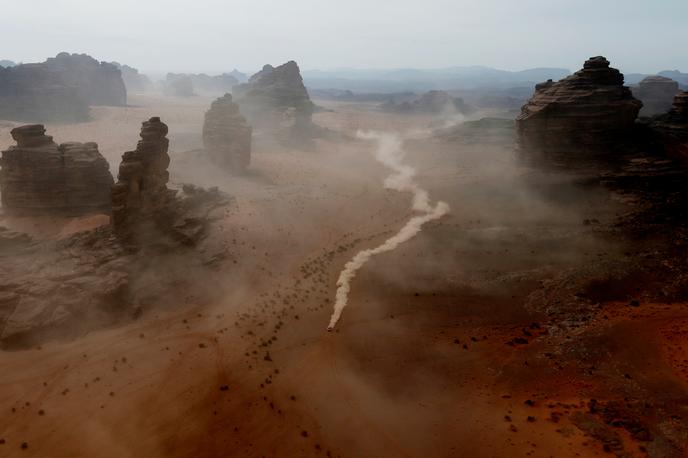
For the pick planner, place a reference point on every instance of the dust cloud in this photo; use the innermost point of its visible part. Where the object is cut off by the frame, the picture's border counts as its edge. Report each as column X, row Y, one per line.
column 389, row 152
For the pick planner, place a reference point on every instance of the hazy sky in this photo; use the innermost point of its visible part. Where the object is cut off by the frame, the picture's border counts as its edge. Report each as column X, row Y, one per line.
column 218, row 35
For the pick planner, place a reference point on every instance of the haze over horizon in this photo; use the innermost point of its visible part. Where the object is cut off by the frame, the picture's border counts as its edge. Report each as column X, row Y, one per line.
column 214, row 36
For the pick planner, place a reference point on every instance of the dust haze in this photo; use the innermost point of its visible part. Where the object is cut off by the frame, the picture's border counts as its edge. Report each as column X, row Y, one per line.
column 292, row 249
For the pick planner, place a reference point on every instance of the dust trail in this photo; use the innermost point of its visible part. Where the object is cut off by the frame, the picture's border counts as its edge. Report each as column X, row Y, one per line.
column 390, row 153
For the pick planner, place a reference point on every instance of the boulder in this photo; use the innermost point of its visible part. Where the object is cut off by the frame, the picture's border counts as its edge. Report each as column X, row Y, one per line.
column 40, row 177
column 657, row 94
column 590, row 110
column 227, row 135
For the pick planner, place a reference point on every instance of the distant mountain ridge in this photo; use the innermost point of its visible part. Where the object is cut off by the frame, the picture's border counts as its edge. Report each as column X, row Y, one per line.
column 408, row 79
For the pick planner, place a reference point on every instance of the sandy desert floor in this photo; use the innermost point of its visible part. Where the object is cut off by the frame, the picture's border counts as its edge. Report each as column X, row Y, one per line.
column 439, row 354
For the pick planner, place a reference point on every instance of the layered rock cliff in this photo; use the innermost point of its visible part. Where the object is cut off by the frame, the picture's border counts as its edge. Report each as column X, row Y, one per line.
column 30, row 92
column 141, row 194
column 39, row 177
column 100, row 82
column 276, row 95
column 589, row 110
column 60, row 89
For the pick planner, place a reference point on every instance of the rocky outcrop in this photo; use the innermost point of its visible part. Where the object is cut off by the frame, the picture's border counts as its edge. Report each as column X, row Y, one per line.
column 227, row 135
column 63, row 288
column 657, row 94
column 59, row 89
column 276, row 96
column 40, row 177
column 590, row 110
column 100, row 83
column 134, row 81
column 31, row 92
column 178, row 85
column 672, row 128
column 432, row 102
column 140, row 195
column 76, row 284
column 145, row 211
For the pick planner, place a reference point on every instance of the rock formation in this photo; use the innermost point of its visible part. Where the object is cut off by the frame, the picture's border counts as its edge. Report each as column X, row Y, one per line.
column 589, row 110
column 201, row 83
column 40, row 177
column 178, row 85
column 53, row 289
column 31, row 92
column 134, row 81
column 227, row 135
column 145, row 211
column 672, row 128
column 141, row 194
column 432, row 102
column 276, row 96
column 657, row 94
column 59, row 89
column 100, row 83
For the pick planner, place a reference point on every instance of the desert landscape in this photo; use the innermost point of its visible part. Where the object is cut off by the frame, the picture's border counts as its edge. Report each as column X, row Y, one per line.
column 465, row 262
